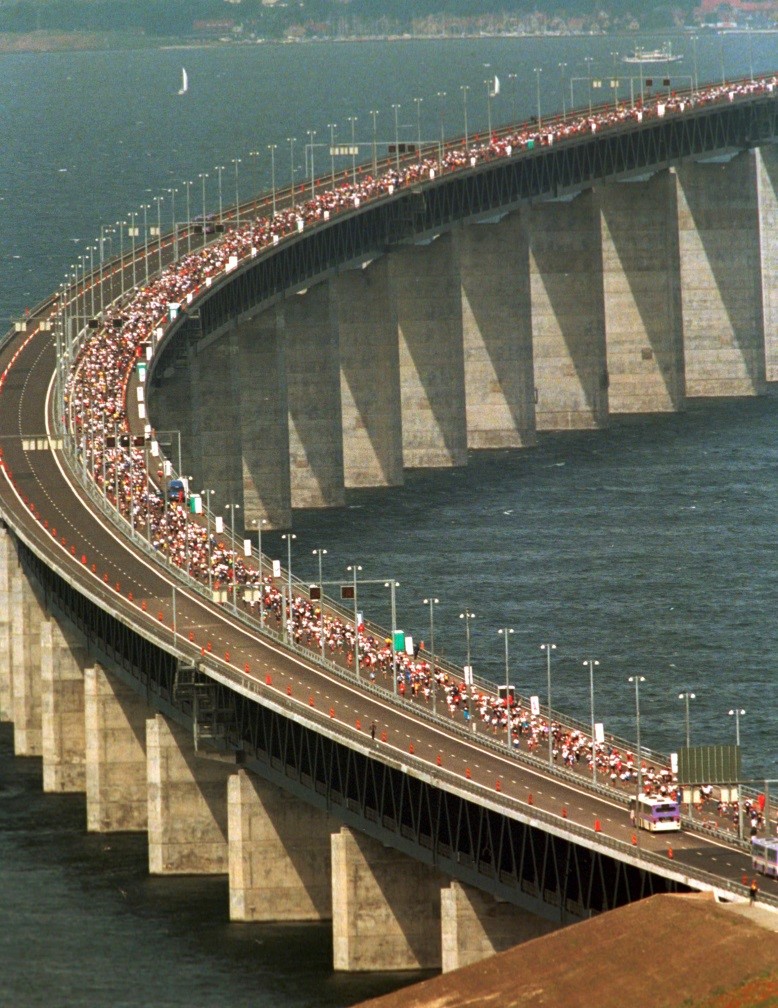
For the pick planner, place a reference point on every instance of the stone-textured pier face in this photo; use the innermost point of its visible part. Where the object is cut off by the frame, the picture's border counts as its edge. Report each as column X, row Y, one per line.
column 767, row 196
column 427, row 297
column 475, row 925
column 721, row 277
column 313, row 398
column 263, row 433
column 63, row 656
column 385, row 907
column 369, row 377
column 280, row 866
column 8, row 564
column 116, row 777
column 187, row 804
column 568, row 314
column 215, row 368
column 497, row 332
column 641, row 295
column 27, row 615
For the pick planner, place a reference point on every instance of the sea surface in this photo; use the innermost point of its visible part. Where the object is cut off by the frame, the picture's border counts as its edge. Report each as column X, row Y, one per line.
column 649, row 547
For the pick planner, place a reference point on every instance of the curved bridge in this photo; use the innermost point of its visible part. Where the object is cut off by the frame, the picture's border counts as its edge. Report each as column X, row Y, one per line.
column 181, row 714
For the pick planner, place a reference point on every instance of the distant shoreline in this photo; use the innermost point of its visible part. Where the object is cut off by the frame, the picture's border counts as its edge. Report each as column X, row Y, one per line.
column 46, row 41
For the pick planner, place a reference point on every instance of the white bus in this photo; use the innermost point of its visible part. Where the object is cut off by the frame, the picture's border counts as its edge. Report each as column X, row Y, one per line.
column 764, row 856
column 660, row 815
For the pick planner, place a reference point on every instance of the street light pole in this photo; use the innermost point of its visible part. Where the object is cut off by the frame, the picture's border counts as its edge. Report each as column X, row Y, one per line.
column 291, row 141
column 591, row 663
column 396, row 108
column 272, row 149
column 392, row 586
column 354, row 569
column 467, row 616
column 548, row 648
column 418, row 102
column 235, row 162
column 353, row 121
column 637, row 680
column 562, row 68
column 207, row 493
column 514, row 78
column 332, row 127
column 441, row 96
column 432, row 602
column 505, row 632
column 311, row 134
column 289, row 536
column 736, row 713
column 320, row 553
column 172, row 193
column 159, row 200
column 374, row 113
column 464, row 88
column 219, row 169
column 686, row 696
column 259, row 522
column 538, row 72
column 257, row 185
column 233, row 508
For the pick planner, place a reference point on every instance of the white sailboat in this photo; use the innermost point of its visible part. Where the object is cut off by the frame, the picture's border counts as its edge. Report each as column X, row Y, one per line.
column 184, row 82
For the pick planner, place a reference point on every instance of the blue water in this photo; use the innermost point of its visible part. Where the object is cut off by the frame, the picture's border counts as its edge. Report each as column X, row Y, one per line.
column 649, row 546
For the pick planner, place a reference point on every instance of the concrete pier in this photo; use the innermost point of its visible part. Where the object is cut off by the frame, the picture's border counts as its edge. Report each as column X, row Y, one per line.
column 313, row 398
column 63, row 656
column 262, row 431
column 280, row 866
column 568, row 314
column 369, row 377
column 497, row 333
column 640, row 265
column 187, row 804
column 215, row 376
column 8, row 563
column 116, row 775
column 385, row 907
column 27, row 614
column 474, row 926
column 767, row 198
column 721, row 277
column 427, row 297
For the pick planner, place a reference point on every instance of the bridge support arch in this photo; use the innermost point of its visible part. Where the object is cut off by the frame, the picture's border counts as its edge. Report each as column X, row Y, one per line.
column 767, row 194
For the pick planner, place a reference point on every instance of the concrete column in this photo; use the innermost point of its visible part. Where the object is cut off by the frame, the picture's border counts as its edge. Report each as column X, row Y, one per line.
column 568, row 314
column 187, row 799
column 428, row 301
column 8, row 563
column 369, row 377
column 767, row 198
column 215, row 372
column 497, row 333
column 313, row 398
column 27, row 614
column 263, row 421
column 474, row 925
column 116, row 778
column 642, row 299
column 63, row 656
column 721, row 277
column 385, row 907
column 280, row 866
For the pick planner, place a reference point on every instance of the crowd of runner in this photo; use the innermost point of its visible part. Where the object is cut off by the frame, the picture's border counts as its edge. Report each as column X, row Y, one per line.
column 95, row 411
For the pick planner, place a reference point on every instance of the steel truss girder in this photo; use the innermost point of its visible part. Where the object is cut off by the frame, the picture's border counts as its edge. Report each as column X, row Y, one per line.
column 503, row 184
column 511, row 859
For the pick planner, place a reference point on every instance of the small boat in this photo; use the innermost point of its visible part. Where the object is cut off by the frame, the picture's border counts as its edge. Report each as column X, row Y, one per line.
column 184, row 82
column 652, row 56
